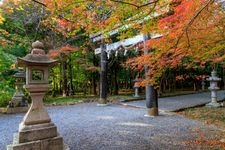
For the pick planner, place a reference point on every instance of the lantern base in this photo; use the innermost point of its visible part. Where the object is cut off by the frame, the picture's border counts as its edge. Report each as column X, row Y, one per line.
column 136, row 96
column 213, row 104
column 37, row 137
column 55, row 143
column 102, row 105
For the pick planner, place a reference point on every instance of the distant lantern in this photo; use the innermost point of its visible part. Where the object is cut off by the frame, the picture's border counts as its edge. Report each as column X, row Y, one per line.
column 18, row 103
column 213, row 88
column 18, row 98
column 136, row 87
column 37, row 131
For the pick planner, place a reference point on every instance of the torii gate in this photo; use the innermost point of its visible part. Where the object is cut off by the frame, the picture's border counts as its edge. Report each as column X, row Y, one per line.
column 105, row 51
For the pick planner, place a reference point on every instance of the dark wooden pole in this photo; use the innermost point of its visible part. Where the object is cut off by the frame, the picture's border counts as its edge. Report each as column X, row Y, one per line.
column 103, row 76
column 150, row 92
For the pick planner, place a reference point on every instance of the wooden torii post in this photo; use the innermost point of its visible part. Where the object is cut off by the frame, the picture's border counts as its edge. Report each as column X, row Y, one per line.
column 105, row 50
column 103, row 68
column 103, row 76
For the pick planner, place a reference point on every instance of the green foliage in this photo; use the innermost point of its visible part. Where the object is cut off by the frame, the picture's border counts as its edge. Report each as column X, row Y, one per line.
column 6, row 79
column 4, row 98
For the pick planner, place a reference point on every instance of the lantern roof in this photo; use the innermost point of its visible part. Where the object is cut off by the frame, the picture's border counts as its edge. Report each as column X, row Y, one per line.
column 36, row 57
column 19, row 74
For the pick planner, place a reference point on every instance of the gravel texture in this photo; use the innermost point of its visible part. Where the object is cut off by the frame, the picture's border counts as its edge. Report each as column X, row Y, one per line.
column 114, row 127
column 176, row 103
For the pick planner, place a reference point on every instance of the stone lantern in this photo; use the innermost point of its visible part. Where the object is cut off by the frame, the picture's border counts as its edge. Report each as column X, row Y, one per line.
column 136, row 87
column 203, row 84
column 213, row 88
column 18, row 103
column 36, row 131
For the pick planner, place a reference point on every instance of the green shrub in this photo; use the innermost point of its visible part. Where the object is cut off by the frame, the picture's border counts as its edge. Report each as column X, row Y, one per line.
column 4, row 99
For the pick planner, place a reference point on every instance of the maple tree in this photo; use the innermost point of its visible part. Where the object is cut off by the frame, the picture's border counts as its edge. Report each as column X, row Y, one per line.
column 192, row 35
column 185, row 28
column 184, row 24
column 100, row 16
column 75, row 18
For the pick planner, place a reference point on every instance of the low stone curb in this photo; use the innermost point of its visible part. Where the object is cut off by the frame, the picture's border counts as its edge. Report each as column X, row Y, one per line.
column 175, row 110
column 13, row 110
column 132, row 99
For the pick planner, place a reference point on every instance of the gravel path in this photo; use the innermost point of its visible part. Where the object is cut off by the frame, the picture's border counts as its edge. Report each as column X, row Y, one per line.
column 114, row 127
column 180, row 102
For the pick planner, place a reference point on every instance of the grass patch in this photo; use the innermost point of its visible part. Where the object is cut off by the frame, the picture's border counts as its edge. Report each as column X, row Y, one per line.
column 211, row 116
column 65, row 100
column 79, row 98
column 215, row 116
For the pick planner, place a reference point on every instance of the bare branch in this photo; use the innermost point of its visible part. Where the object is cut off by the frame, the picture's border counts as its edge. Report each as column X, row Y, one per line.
column 76, row 38
column 135, row 5
column 188, row 39
column 39, row 3
column 117, row 1
column 60, row 16
column 153, row 2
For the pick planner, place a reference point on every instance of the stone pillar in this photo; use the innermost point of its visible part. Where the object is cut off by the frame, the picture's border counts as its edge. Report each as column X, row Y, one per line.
column 103, row 77
column 37, row 131
column 213, row 88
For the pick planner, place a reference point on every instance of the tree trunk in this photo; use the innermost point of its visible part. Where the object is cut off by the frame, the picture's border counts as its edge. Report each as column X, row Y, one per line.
column 71, row 88
column 60, row 80
column 94, row 85
column 116, row 86
column 54, row 86
column 64, row 75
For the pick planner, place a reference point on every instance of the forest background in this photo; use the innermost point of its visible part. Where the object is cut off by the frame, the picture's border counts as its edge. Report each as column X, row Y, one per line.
column 192, row 45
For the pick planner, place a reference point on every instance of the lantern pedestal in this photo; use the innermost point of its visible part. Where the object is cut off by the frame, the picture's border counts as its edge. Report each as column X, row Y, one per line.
column 45, row 144
column 36, row 131
column 213, row 102
column 37, row 113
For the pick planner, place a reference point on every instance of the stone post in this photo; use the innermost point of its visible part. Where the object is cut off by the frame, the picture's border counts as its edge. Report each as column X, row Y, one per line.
column 37, row 131
column 213, row 88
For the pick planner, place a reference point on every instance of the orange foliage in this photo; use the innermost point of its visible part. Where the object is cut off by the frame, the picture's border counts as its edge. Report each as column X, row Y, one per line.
column 203, row 140
column 193, row 32
column 65, row 50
